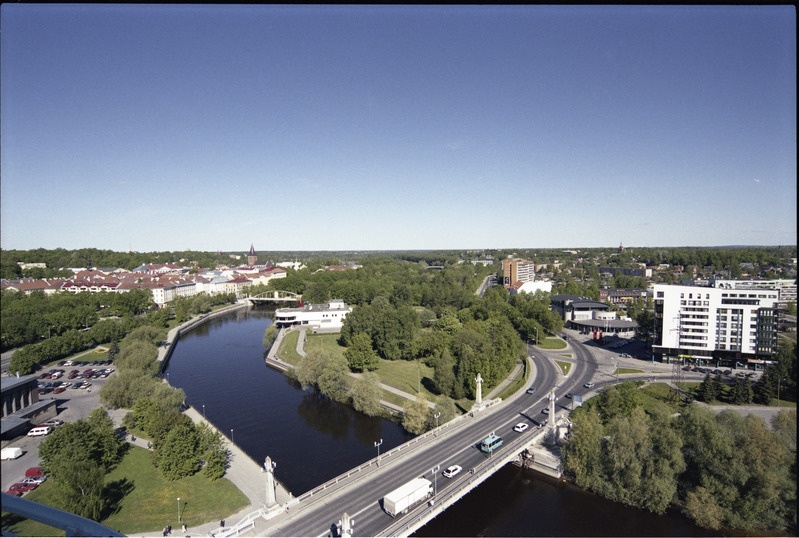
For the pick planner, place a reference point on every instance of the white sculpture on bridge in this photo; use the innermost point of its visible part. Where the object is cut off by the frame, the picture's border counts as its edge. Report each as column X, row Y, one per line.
column 269, row 465
column 479, row 401
column 345, row 526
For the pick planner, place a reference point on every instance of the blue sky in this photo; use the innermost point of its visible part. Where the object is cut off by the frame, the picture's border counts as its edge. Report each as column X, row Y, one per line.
column 405, row 127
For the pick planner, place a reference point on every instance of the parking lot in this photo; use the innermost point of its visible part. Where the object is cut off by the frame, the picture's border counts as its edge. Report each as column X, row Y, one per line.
column 72, row 405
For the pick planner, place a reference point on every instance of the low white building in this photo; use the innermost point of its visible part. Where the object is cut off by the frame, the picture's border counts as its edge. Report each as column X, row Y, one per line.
column 328, row 316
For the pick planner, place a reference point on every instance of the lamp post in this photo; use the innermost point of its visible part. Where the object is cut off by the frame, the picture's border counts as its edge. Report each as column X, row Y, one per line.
column 203, row 411
column 377, row 445
column 439, row 414
column 434, row 471
column 179, row 510
column 231, row 435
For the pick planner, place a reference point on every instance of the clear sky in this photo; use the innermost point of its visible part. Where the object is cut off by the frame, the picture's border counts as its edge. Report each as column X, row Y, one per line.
column 404, row 127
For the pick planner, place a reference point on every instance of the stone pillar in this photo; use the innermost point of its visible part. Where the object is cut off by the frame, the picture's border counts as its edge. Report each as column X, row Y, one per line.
column 479, row 381
column 269, row 465
column 552, row 410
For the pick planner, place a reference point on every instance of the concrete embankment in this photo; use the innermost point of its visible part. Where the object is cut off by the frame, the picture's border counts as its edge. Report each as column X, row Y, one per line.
column 172, row 337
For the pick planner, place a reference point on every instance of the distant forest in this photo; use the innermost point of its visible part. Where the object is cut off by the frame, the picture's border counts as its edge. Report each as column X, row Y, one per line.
column 769, row 262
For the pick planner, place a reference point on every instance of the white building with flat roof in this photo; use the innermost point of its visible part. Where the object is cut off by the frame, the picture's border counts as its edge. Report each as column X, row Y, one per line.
column 724, row 324
column 328, row 316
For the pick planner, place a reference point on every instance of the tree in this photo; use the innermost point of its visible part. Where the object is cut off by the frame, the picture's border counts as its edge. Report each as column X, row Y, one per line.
column 269, row 336
column 366, row 394
column 79, row 487
column 415, row 418
column 583, row 451
column 443, row 373
column 360, row 354
column 333, row 377
column 765, row 388
column 177, row 455
column 212, row 452
column 618, row 400
column 707, row 390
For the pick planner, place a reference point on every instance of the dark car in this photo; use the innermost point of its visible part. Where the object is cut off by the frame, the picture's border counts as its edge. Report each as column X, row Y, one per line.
column 569, row 395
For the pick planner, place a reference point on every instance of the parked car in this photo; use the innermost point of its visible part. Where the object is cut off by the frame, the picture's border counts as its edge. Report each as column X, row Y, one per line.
column 520, row 427
column 59, row 390
column 53, row 422
column 77, row 384
column 452, row 470
column 73, row 374
column 34, row 471
column 34, row 479
column 545, row 410
column 22, row 488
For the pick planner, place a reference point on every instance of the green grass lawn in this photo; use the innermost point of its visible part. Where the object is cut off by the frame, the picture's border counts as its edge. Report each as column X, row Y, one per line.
column 628, row 371
column 565, row 367
column 288, row 349
column 552, row 343
column 404, row 375
column 325, row 343
column 146, row 501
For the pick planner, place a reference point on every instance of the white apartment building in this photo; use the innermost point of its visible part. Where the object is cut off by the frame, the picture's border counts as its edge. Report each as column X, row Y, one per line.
column 724, row 324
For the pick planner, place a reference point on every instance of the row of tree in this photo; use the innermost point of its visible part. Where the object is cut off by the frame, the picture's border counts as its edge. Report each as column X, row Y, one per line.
column 179, row 447
column 778, row 381
column 29, row 318
column 722, row 470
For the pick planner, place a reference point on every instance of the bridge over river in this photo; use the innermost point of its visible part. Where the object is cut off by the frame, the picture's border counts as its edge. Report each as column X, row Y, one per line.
column 359, row 491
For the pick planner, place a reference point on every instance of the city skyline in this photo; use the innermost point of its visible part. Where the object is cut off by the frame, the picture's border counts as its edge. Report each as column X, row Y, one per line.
column 301, row 128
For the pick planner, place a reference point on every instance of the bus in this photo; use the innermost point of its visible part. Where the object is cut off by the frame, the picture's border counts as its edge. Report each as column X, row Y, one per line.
column 491, row 443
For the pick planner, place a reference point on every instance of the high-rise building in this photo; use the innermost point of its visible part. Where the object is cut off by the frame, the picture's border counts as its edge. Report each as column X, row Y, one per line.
column 728, row 325
column 517, row 270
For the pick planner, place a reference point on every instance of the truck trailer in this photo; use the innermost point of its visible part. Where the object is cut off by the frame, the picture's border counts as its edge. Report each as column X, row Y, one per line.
column 11, row 452
column 407, row 496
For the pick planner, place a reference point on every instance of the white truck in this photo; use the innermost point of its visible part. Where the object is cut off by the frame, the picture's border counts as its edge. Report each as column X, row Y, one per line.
column 407, row 496
column 11, row 452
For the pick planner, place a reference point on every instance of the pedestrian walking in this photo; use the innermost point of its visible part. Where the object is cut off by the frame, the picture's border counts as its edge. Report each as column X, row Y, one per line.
column 222, row 523
column 184, row 527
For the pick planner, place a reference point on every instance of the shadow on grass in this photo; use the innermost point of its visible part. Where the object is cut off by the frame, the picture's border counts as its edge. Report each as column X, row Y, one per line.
column 113, row 493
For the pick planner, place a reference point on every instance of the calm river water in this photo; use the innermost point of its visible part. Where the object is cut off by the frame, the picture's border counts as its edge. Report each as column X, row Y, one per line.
column 220, row 366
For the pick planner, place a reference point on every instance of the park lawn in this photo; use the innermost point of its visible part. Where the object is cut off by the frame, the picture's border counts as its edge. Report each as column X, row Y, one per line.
column 552, row 343
column 288, row 349
column 404, row 375
column 147, row 501
column 564, row 366
column 325, row 343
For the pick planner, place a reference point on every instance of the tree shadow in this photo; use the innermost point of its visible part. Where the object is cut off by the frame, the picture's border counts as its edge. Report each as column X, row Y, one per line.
column 114, row 492
column 430, row 385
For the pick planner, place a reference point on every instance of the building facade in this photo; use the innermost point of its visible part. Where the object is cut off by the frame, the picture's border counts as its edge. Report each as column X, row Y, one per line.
column 328, row 316
column 728, row 325
column 517, row 270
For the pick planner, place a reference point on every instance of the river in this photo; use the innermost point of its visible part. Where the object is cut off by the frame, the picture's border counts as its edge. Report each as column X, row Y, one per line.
column 220, row 366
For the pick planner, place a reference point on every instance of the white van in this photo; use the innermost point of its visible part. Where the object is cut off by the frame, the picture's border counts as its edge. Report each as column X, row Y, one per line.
column 40, row 430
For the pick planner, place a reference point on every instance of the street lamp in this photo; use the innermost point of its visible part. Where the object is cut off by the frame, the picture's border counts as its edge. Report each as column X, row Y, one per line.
column 439, row 414
column 435, row 470
column 231, row 435
column 377, row 445
column 179, row 510
column 203, row 411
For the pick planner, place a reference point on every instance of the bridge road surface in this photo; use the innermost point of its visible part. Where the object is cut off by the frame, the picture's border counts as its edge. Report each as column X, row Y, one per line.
column 456, row 445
